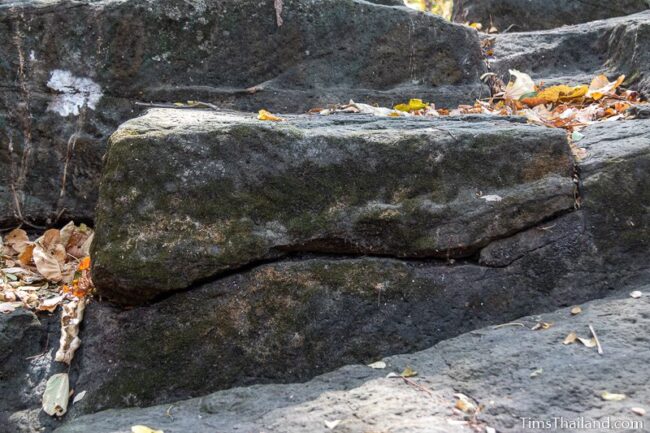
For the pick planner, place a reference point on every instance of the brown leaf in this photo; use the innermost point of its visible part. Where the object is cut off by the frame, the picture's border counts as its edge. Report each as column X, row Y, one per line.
column 571, row 338
column 18, row 240
column 25, row 258
column 47, row 264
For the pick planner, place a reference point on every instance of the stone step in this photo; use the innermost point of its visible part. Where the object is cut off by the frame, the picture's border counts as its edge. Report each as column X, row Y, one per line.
column 526, row 15
column 187, row 196
column 115, row 52
column 519, row 375
column 575, row 54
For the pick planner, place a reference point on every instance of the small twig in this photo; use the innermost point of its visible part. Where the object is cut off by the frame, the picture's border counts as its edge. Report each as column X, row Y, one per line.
column 600, row 348
column 420, row 387
column 509, row 324
column 196, row 104
column 168, row 412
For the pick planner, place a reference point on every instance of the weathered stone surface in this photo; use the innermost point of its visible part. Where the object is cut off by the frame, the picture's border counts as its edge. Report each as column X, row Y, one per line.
column 526, row 15
column 493, row 366
column 71, row 71
column 292, row 319
column 27, row 344
column 575, row 54
column 616, row 189
column 227, row 190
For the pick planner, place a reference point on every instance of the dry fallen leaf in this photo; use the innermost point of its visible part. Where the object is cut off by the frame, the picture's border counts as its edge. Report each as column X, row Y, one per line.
column 17, row 239
column 50, row 304
column 588, row 342
column 265, row 115
column 377, row 365
column 608, row 396
column 571, row 338
column 78, row 397
column 413, row 105
column 576, row 310
column 638, row 411
column 144, row 429
column 332, row 424
column 56, row 395
column 541, row 326
column 408, row 372
column 522, row 85
column 601, row 86
column 47, row 265
column 465, row 404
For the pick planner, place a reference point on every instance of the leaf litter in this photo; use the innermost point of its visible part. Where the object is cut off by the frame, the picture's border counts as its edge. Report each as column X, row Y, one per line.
column 42, row 275
column 559, row 106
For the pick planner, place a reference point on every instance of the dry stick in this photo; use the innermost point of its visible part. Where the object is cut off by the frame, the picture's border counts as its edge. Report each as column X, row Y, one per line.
column 197, row 104
column 600, row 348
column 420, row 387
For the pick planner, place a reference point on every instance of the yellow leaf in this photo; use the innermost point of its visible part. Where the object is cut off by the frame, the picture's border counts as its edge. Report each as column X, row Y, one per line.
column 413, row 105
column 409, row 372
column 576, row 310
column 265, row 115
column 144, row 429
column 601, row 86
column 562, row 93
column 608, row 396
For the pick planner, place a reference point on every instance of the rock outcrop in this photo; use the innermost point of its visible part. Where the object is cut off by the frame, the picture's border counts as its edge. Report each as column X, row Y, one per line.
column 71, row 72
column 526, row 15
column 575, row 54
column 307, row 313
column 518, row 374
column 228, row 191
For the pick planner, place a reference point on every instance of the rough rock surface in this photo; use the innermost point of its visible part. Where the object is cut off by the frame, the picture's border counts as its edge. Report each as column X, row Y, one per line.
column 27, row 345
column 575, row 54
column 307, row 314
column 526, row 15
column 514, row 371
column 71, row 71
column 228, row 190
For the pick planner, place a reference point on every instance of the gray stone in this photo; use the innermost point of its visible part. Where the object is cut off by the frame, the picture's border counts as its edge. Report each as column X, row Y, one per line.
column 526, row 15
column 576, row 54
column 514, row 371
column 70, row 72
column 228, row 190
column 27, row 345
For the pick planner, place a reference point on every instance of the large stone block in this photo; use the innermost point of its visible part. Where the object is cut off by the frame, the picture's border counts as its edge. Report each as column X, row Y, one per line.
column 576, row 54
column 189, row 195
column 70, row 72
column 526, row 15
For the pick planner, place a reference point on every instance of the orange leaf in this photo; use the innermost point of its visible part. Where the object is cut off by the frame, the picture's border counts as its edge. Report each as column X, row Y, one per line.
column 84, row 264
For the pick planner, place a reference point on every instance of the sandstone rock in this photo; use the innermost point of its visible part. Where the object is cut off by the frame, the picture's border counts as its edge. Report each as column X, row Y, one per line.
column 526, row 15
column 517, row 373
column 26, row 350
column 616, row 189
column 575, row 54
column 71, row 71
column 307, row 314
column 227, row 190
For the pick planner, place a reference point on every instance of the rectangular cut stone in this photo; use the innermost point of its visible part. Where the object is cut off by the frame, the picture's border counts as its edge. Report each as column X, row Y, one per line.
column 189, row 195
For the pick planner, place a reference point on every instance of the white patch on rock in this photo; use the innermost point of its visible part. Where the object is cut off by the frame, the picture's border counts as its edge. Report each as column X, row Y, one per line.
column 492, row 197
column 74, row 93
